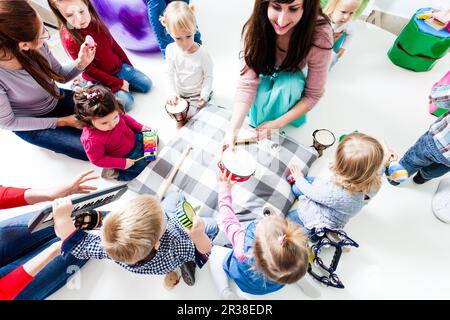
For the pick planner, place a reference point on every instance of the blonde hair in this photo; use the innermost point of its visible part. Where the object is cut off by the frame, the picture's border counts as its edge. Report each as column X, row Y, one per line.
column 280, row 250
column 357, row 163
column 179, row 17
column 129, row 234
column 332, row 5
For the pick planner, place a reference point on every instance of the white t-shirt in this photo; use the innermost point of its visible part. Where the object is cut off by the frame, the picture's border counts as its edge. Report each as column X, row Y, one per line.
column 189, row 74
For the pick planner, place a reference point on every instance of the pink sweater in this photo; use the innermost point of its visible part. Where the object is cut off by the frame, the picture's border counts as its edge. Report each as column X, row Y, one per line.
column 317, row 61
column 231, row 224
column 108, row 149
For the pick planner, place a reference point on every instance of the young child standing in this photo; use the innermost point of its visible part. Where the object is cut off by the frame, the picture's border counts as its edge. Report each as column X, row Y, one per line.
column 340, row 13
column 143, row 237
column 266, row 254
column 111, row 67
column 189, row 66
column 155, row 10
column 111, row 139
column 356, row 178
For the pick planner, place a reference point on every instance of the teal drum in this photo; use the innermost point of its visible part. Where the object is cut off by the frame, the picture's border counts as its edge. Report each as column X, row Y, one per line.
column 276, row 95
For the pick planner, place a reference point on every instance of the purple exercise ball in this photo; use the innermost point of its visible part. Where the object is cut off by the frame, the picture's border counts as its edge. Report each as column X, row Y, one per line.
column 128, row 22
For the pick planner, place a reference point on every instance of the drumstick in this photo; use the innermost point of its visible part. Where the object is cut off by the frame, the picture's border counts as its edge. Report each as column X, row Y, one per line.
column 246, row 140
column 168, row 181
column 139, row 159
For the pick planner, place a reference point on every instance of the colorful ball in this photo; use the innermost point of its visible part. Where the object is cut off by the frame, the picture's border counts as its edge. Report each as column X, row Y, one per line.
column 396, row 173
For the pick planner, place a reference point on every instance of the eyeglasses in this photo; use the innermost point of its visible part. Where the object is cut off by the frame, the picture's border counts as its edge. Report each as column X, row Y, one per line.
column 45, row 34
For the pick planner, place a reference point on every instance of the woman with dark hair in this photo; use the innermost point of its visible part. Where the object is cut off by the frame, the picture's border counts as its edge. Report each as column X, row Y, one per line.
column 31, row 104
column 287, row 49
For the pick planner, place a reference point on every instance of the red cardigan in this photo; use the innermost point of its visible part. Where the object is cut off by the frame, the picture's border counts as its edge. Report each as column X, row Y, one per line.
column 109, row 56
column 17, row 280
column 12, row 197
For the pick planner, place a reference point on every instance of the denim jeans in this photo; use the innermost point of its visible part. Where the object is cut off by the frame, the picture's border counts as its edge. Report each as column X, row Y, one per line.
column 169, row 205
column 137, row 152
column 155, row 10
column 425, row 157
column 65, row 140
column 138, row 81
column 17, row 246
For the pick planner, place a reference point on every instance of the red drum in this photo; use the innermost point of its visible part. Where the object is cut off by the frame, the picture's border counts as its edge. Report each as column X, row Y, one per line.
column 178, row 112
column 239, row 164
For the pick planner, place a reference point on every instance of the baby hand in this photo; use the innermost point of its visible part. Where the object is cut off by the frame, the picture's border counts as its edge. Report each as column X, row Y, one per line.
column 62, row 208
column 173, row 100
column 129, row 163
column 201, row 102
column 296, row 172
column 224, row 181
column 197, row 229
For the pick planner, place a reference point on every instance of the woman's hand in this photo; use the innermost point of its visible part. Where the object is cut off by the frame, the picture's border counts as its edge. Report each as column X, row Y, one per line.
column 75, row 187
column 229, row 141
column 69, row 121
column 146, row 128
column 85, row 56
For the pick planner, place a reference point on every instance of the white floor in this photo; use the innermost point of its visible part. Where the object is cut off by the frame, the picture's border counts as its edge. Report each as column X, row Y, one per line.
column 403, row 250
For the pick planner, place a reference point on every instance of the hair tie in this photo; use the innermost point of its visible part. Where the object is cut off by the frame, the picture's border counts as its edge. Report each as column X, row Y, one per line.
column 92, row 97
column 282, row 239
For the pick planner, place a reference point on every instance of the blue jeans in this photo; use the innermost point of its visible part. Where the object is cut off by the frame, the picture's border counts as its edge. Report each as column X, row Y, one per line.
column 169, row 205
column 155, row 10
column 18, row 245
column 65, row 140
column 138, row 81
column 297, row 191
column 425, row 157
column 137, row 152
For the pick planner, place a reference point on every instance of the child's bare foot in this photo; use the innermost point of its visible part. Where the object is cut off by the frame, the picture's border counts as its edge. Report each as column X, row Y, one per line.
column 171, row 280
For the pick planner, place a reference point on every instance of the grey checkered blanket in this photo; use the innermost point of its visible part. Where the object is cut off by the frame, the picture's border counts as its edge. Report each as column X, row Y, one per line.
column 197, row 175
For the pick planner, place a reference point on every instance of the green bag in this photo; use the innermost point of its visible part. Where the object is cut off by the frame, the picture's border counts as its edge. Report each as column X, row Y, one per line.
column 276, row 95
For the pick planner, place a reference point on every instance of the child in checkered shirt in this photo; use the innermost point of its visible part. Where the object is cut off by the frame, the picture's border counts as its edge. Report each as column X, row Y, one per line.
column 144, row 237
column 430, row 155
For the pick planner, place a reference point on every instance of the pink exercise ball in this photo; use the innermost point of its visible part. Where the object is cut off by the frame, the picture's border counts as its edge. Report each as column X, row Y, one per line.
column 128, row 22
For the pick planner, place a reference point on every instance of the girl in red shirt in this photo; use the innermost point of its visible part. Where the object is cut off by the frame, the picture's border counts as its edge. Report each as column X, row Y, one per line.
column 111, row 66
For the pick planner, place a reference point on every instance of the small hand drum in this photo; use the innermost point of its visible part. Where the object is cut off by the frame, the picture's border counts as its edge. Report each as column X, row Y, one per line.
column 185, row 214
column 322, row 139
column 178, row 112
column 239, row 164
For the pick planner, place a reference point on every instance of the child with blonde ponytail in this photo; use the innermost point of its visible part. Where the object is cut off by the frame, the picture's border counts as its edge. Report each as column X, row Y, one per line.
column 189, row 67
column 266, row 254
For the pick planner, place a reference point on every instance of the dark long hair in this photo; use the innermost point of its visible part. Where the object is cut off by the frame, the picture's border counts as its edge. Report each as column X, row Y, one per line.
column 95, row 101
column 53, row 4
column 260, row 37
column 19, row 23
